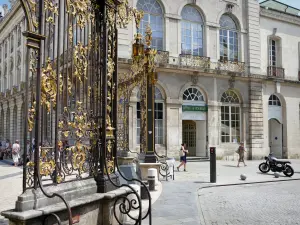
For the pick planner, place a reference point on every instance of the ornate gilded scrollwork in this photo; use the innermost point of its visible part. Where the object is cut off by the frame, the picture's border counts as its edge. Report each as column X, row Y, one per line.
column 52, row 10
column 80, row 62
column 31, row 116
column 81, row 10
column 49, row 86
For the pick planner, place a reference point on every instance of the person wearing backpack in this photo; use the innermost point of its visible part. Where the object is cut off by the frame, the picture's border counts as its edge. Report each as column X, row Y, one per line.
column 182, row 154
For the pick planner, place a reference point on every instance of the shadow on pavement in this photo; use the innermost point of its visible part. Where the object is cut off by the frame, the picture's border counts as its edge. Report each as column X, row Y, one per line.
column 201, row 182
column 230, row 166
column 270, row 174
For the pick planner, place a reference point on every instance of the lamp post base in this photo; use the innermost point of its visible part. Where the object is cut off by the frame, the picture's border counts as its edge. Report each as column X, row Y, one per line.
column 150, row 158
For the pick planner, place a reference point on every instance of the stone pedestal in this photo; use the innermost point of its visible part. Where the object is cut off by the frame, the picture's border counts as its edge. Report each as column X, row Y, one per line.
column 144, row 169
column 125, row 160
column 105, row 185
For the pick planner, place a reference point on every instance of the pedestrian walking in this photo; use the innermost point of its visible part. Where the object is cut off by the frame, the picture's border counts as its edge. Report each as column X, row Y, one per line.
column 16, row 152
column 182, row 153
column 241, row 151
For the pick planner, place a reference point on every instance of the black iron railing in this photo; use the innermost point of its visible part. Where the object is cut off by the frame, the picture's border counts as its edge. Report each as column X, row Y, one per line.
column 276, row 72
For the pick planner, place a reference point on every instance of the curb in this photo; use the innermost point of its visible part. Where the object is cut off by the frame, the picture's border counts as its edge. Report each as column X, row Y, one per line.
column 247, row 183
column 201, row 214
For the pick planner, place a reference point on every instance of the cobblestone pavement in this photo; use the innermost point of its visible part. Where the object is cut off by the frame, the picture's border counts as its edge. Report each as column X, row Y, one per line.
column 263, row 204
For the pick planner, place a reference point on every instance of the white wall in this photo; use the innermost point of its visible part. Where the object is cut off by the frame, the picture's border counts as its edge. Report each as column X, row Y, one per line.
column 290, row 37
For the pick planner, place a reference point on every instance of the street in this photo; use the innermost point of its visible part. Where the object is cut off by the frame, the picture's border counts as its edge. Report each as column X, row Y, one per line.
column 269, row 203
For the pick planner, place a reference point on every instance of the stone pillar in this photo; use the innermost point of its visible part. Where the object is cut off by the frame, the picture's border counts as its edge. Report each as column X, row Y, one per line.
column 173, row 127
column 256, row 131
column 213, row 124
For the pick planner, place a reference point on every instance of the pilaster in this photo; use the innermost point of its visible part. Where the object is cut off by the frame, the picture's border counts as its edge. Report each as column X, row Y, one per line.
column 256, row 131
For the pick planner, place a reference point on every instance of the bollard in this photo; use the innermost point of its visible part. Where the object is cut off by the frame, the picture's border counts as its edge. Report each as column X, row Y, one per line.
column 144, row 193
column 151, row 182
column 213, row 165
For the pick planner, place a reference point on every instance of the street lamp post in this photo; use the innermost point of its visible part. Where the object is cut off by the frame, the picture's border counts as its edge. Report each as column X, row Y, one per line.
column 151, row 76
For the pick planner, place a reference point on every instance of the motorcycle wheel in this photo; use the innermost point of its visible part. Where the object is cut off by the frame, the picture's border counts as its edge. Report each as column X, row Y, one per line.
column 264, row 167
column 289, row 171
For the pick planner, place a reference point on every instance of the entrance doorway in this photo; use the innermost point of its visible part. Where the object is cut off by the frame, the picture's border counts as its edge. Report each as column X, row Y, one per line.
column 189, row 132
column 194, row 135
column 275, row 137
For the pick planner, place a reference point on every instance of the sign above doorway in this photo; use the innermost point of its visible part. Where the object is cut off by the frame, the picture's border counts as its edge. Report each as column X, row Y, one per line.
column 194, row 108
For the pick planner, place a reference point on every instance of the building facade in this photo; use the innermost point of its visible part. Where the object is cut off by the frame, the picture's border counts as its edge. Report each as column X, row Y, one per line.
column 228, row 72
column 12, row 68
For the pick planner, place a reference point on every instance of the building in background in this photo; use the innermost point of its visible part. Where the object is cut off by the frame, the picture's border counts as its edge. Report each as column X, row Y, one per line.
column 228, row 71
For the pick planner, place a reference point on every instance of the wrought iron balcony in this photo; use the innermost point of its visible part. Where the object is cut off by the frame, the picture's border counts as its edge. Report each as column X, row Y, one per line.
column 275, row 72
column 162, row 58
column 229, row 66
column 194, row 61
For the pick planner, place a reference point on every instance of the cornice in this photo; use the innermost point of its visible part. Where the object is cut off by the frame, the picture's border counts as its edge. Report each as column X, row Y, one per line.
column 277, row 15
column 8, row 17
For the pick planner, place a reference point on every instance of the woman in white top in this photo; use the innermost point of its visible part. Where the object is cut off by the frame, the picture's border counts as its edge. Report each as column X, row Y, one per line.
column 16, row 152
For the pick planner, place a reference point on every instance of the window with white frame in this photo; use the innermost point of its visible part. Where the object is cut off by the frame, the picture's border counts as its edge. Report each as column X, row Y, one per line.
column 229, row 45
column 153, row 16
column 191, row 31
column 273, row 52
column 193, row 94
column 159, row 117
column 274, row 100
column 230, row 117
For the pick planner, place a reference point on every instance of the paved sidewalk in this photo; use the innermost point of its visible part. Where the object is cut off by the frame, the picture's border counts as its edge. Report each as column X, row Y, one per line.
column 10, row 188
column 178, row 204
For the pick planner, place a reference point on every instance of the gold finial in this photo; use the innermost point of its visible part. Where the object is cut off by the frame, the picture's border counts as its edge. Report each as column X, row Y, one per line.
column 138, row 16
column 148, row 36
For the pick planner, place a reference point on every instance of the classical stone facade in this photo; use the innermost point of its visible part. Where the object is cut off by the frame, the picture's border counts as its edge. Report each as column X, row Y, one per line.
column 228, row 71
column 12, row 69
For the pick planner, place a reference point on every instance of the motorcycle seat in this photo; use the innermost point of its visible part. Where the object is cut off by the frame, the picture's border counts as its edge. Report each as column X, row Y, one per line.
column 282, row 161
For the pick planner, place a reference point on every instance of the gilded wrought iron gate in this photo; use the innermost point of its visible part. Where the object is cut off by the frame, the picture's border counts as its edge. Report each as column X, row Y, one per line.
column 71, row 95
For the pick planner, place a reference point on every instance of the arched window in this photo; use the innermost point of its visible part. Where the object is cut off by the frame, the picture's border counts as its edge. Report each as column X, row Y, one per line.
column 191, row 31
column 192, row 94
column 153, row 15
column 229, row 46
column 230, row 117
column 274, row 100
column 159, row 117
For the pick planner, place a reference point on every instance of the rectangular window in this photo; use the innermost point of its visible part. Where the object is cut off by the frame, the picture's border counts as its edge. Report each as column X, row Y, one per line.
column 230, row 124
column 159, row 127
column 272, row 53
column 228, row 46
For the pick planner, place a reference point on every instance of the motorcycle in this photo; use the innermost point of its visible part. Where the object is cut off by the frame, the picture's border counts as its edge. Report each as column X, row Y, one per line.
column 275, row 165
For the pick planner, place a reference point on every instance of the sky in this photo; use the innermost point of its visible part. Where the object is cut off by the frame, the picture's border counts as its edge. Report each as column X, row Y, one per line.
column 294, row 3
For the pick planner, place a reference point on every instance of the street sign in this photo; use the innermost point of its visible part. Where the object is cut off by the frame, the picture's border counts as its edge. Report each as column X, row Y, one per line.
column 194, row 108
